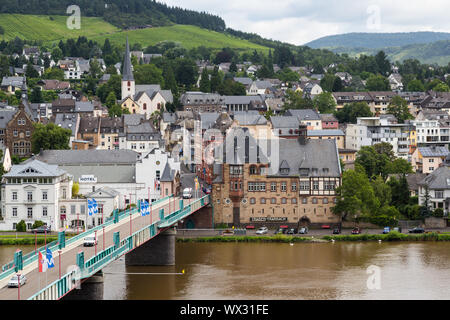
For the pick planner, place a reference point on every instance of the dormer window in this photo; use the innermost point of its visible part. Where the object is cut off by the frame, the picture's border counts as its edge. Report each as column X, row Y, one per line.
column 284, row 172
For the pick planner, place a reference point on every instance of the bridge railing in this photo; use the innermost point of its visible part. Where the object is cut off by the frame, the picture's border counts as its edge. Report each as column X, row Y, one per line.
column 8, row 269
column 59, row 288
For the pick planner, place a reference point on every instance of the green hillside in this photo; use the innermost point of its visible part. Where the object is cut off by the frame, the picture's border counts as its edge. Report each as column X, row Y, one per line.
column 50, row 29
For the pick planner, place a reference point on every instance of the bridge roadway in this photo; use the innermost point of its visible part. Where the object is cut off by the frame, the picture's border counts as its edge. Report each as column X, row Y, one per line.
column 36, row 281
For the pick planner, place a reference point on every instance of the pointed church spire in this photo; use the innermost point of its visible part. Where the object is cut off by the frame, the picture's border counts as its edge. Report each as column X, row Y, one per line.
column 127, row 72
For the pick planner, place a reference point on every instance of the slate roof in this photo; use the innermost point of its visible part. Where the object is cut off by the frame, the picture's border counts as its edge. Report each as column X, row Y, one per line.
column 35, row 168
column 434, row 151
column 438, row 179
column 67, row 121
column 127, row 67
column 169, row 117
column 208, row 119
column 285, row 122
column 103, row 192
column 168, row 174
column 13, row 81
column 242, row 99
column 250, row 119
column 76, row 157
column 303, row 114
column 336, row 132
column 6, row 114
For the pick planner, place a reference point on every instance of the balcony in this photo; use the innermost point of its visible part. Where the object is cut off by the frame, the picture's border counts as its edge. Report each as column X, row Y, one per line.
column 29, row 201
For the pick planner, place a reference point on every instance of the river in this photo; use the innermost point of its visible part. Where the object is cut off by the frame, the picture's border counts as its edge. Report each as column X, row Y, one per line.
column 256, row 271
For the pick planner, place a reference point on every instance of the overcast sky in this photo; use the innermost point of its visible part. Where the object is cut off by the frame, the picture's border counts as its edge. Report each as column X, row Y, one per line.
column 301, row 21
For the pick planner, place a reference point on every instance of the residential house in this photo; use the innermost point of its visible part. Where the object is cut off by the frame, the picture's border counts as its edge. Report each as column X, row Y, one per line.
column 11, row 84
column 428, row 159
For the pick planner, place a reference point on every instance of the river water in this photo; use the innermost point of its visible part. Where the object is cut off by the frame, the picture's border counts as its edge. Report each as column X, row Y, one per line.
column 256, row 271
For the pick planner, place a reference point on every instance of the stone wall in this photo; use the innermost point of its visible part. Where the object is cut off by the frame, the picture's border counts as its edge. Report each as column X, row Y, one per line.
column 435, row 223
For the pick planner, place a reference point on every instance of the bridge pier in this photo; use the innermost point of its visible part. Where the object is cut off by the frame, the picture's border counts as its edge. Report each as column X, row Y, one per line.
column 160, row 251
column 90, row 289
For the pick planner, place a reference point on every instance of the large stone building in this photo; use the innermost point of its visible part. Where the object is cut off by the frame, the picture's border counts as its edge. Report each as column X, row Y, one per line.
column 294, row 184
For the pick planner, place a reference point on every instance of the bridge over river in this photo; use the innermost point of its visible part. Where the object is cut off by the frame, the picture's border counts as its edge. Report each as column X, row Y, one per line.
column 124, row 233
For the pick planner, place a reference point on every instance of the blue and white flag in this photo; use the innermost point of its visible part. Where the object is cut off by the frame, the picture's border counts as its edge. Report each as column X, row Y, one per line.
column 95, row 206
column 144, row 208
column 90, row 208
column 49, row 258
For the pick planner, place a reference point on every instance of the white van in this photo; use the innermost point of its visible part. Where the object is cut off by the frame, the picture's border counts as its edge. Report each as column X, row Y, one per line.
column 90, row 241
column 187, row 193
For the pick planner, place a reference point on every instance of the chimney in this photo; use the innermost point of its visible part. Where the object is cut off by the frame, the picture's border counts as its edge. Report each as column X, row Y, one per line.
column 302, row 134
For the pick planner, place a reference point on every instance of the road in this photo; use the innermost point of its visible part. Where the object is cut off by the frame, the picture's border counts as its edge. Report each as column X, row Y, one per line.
column 37, row 281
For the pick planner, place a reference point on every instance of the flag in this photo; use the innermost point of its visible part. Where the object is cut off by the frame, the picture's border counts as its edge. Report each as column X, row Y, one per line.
column 42, row 263
column 49, row 258
column 95, row 206
column 90, row 208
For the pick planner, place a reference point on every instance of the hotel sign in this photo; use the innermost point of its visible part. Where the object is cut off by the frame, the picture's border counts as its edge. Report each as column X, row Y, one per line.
column 87, row 179
column 268, row 219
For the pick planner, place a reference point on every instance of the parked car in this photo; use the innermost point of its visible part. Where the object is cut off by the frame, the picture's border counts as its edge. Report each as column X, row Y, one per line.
column 41, row 229
column 417, row 230
column 398, row 229
column 325, row 226
column 291, row 231
column 89, row 241
column 303, row 230
column 14, row 281
column 356, row 230
column 336, row 231
column 386, row 230
column 262, row 230
column 187, row 193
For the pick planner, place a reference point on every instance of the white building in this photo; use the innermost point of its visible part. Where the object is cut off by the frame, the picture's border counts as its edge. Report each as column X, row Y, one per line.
column 31, row 191
column 372, row 130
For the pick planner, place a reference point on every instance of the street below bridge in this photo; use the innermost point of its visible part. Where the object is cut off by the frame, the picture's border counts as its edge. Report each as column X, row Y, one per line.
column 37, row 281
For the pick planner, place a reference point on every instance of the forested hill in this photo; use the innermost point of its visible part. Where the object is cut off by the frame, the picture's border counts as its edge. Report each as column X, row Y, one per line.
column 120, row 13
column 377, row 40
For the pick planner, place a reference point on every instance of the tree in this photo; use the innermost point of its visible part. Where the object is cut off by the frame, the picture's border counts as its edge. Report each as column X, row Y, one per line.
column 415, row 86
column 57, row 54
column 398, row 107
column 148, row 74
column 295, row 100
column 94, row 68
column 36, row 95
column 30, row 72
column 116, row 111
column 327, row 82
column 355, row 197
column 205, row 84
column 441, row 87
column 377, row 83
column 350, row 112
column 50, row 137
column 54, row 74
column 37, row 224
column 216, row 80
column 156, row 117
column 111, row 99
column 186, row 72
column 325, row 103
column 21, row 226
column 75, row 189
column 383, row 64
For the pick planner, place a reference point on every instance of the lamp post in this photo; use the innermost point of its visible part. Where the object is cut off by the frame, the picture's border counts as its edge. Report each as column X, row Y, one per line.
column 103, row 237
column 18, row 286
column 35, row 242
column 78, row 221
column 45, row 243
column 95, row 235
column 59, row 251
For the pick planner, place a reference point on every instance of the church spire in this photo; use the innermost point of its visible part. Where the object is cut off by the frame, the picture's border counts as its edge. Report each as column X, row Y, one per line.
column 127, row 72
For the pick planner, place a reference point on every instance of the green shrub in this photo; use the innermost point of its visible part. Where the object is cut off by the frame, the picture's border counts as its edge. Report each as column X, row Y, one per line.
column 438, row 213
column 37, row 224
column 21, row 226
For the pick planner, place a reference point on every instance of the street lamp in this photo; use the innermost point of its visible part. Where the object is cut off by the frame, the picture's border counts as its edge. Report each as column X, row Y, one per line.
column 59, row 251
column 18, row 286
column 95, row 235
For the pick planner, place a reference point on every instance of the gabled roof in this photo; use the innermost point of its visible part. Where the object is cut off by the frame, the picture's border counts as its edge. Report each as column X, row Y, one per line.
column 285, row 122
column 168, row 174
column 66, row 157
column 303, row 114
column 434, row 151
column 103, row 192
column 34, row 168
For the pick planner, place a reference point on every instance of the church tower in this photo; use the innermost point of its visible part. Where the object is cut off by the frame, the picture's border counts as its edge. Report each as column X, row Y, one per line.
column 128, row 85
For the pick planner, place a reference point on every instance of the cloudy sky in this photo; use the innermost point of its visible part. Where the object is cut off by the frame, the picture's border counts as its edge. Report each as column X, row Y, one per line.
column 301, row 21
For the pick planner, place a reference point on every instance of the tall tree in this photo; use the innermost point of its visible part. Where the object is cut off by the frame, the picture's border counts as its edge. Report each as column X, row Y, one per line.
column 398, row 107
column 205, row 83
column 49, row 137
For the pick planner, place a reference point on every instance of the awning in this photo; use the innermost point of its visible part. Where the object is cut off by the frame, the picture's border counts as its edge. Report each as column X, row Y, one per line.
column 284, row 227
column 63, row 217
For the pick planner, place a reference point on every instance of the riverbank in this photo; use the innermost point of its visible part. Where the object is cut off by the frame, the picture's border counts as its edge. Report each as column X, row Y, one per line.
column 25, row 240
column 392, row 236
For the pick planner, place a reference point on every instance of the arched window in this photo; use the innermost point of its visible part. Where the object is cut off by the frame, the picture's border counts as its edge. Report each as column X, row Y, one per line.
column 129, row 83
column 145, row 106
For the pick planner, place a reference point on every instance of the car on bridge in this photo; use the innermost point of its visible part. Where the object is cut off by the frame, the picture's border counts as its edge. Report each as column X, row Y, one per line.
column 90, row 241
column 14, row 281
column 187, row 193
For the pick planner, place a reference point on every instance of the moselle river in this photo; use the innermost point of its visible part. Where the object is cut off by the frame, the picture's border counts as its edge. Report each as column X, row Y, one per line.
column 407, row 270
